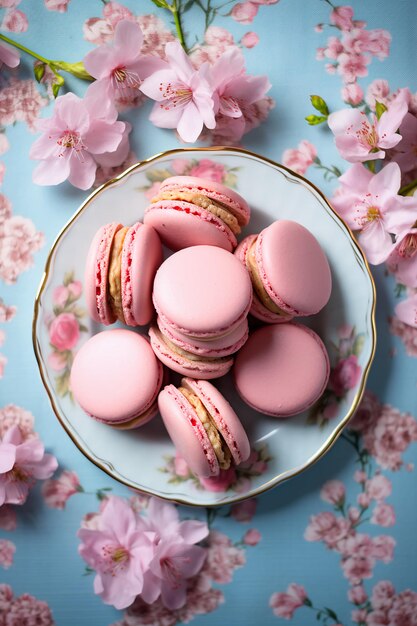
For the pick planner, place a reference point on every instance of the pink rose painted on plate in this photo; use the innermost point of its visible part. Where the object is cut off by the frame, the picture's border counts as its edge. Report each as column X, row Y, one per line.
column 65, row 326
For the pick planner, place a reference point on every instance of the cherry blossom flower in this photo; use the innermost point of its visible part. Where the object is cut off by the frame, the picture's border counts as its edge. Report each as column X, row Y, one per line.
column 251, row 537
column 57, row 491
column 377, row 91
column 341, row 17
column 183, row 95
column 21, row 463
column 19, row 241
column 8, row 517
column 352, row 93
column 351, row 66
column 57, row 5
column 383, row 515
column 223, row 557
column 250, row 40
column 24, row 610
column 12, row 415
column 15, row 21
column 116, row 551
column 234, row 88
column 244, row 12
column 370, row 204
column 206, row 168
column 406, row 311
column 327, row 527
column 78, row 132
column 299, row 159
column 365, row 417
column 120, row 67
column 333, row 492
column 357, row 594
column 7, row 550
column 284, row 604
column 359, row 139
column 217, row 41
column 21, row 101
column 402, row 262
column 8, row 55
column 406, row 155
column 406, row 333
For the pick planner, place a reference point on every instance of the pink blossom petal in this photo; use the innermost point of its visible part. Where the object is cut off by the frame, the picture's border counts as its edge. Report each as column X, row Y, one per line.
column 406, row 311
column 104, row 137
column 179, row 61
column 118, row 517
column 118, row 156
column 13, row 435
column 8, row 55
column 252, row 89
column 70, row 109
column 388, row 178
column 7, row 457
column 165, row 118
column 52, row 171
column 190, row 124
column 376, row 242
column 358, row 177
column 151, row 86
column 340, row 120
column 165, row 514
column 82, row 172
column 193, row 531
column 101, row 61
column 391, row 120
column 128, row 37
column 45, row 147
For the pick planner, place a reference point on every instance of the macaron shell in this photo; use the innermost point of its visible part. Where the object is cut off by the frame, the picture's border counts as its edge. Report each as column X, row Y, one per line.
column 202, row 291
column 178, row 363
column 187, row 432
column 115, row 376
column 141, row 257
column 217, row 347
column 293, row 268
column 182, row 224
column 212, row 189
column 226, row 420
column 96, row 273
column 258, row 309
column 282, row 369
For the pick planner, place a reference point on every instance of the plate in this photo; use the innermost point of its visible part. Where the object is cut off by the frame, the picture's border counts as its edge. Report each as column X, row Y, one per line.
column 144, row 459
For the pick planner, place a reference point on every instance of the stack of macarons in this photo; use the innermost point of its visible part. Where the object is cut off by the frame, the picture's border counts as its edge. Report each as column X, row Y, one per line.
column 197, row 303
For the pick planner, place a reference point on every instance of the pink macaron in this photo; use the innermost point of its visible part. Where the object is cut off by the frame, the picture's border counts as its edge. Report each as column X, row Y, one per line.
column 190, row 211
column 282, row 370
column 202, row 296
column 203, row 427
column 289, row 272
column 115, row 378
column 120, row 268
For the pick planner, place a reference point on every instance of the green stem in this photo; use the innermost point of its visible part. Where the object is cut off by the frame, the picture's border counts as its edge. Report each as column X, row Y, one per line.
column 177, row 20
column 24, row 49
column 371, row 166
column 404, row 191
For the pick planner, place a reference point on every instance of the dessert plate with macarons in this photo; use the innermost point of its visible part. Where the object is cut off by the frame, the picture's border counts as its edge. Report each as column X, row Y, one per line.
column 213, row 333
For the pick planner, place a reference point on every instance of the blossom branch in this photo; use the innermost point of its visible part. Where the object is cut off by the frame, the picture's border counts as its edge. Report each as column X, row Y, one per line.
column 175, row 9
column 76, row 69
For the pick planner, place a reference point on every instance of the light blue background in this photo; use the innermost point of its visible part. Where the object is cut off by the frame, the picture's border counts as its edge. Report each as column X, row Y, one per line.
column 46, row 562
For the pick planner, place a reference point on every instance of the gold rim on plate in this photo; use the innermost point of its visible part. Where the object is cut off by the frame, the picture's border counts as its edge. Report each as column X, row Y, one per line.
column 280, row 478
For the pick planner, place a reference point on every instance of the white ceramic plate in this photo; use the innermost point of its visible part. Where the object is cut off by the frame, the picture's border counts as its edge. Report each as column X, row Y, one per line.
column 144, row 458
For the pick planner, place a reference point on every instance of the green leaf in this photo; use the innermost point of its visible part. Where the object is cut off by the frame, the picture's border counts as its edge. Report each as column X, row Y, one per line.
column 319, row 104
column 156, row 176
column 76, row 69
column 230, row 179
column 88, row 571
column 187, row 5
column 68, row 278
column 39, row 71
column 162, row 4
column 379, row 109
column 358, row 344
column 331, row 613
column 314, row 120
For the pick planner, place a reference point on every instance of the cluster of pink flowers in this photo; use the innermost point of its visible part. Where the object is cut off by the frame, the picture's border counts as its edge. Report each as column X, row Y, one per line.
column 57, row 491
column 350, row 53
column 23, row 610
column 149, row 556
column 284, row 604
column 223, row 558
column 22, row 462
column 6, row 314
column 19, row 240
column 7, row 550
column 84, row 134
column 388, row 607
column 20, row 101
